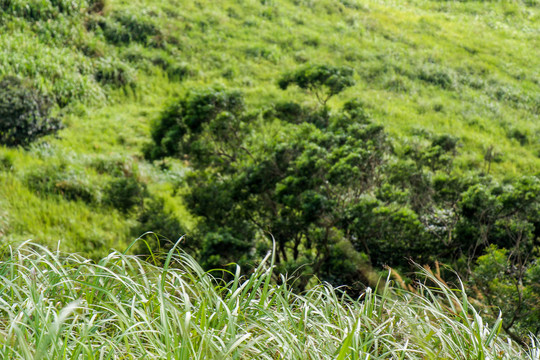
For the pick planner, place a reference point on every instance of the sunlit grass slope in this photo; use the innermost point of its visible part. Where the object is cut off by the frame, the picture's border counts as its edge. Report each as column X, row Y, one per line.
column 60, row 306
column 465, row 68
column 470, row 69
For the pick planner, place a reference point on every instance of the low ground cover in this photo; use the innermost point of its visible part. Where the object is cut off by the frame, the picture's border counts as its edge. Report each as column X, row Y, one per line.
column 63, row 306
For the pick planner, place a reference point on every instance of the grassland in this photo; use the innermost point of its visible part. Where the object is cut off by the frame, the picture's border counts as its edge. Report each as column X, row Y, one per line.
column 422, row 68
column 469, row 69
column 63, row 306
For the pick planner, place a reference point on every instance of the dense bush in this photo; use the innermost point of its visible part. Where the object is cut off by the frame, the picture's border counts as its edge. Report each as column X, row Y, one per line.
column 509, row 287
column 164, row 226
column 115, row 73
column 24, row 113
column 41, row 9
column 322, row 182
column 124, row 193
column 6, row 162
column 188, row 117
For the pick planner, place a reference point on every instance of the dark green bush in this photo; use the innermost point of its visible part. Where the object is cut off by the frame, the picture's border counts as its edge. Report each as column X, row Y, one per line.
column 189, row 116
column 41, row 9
column 164, row 225
column 24, row 113
column 124, row 193
column 518, row 135
column 6, row 162
column 114, row 73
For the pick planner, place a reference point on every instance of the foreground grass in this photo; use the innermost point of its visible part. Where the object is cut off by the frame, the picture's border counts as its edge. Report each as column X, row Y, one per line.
column 63, row 306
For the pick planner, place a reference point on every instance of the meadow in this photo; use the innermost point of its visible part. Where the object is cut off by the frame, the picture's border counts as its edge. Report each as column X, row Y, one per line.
column 421, row 69
column 430, row 153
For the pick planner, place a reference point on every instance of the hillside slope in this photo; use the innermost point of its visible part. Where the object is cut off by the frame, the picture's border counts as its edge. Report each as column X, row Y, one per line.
column 470, row 69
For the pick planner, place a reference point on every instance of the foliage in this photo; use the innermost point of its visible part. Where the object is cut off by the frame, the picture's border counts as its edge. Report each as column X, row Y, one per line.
column 301, row 191
column 160, row 227
column 415, row 73
column 511, row 287
column 41, row 9
column 125, row 192
column 323, row 81
column 123, row 306
column 61, row 180
column 214, row 109
column 24, row 113
column 323, row 182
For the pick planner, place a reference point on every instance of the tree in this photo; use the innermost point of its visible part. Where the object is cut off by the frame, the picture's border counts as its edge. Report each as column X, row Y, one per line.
column 510, row 288
column 24, row 113
column 337, row 197
column 246, row 190
column 324, row 81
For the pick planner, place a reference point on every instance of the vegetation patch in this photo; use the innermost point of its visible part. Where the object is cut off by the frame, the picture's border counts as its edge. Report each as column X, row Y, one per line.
column 25, row 113
column 122, row 305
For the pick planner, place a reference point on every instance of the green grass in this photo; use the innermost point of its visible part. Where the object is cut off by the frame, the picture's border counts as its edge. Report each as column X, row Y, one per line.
column 63, row 306
column 422, row 67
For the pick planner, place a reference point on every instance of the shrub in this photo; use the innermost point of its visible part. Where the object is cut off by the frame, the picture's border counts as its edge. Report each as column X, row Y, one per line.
column 518, row 135
column 24, row 113
column 114, row 73
column 124, row 193
column 165, row 226
column 6, row 162
column 324, row 81
column 124, row 28
column 190, row 116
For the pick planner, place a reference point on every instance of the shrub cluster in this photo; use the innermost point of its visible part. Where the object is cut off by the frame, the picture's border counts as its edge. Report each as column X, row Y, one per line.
column 115, row 73
column 24, row 113
column 123, row 28
column 42, row 9
column 61, row 180
column 336, row 193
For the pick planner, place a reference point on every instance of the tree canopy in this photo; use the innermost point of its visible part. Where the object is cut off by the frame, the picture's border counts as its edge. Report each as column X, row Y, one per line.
column 323, row 81
column 339, row 197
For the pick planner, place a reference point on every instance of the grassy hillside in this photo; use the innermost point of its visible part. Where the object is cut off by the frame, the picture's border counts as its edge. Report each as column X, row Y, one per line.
column 424, row 67
column 57, row 306
column 427, row 71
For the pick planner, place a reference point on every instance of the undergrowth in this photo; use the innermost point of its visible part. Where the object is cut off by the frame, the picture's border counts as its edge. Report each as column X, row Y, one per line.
column 64, row 306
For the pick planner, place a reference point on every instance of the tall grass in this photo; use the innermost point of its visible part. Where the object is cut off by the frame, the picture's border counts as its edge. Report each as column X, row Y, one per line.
column 63, row 306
